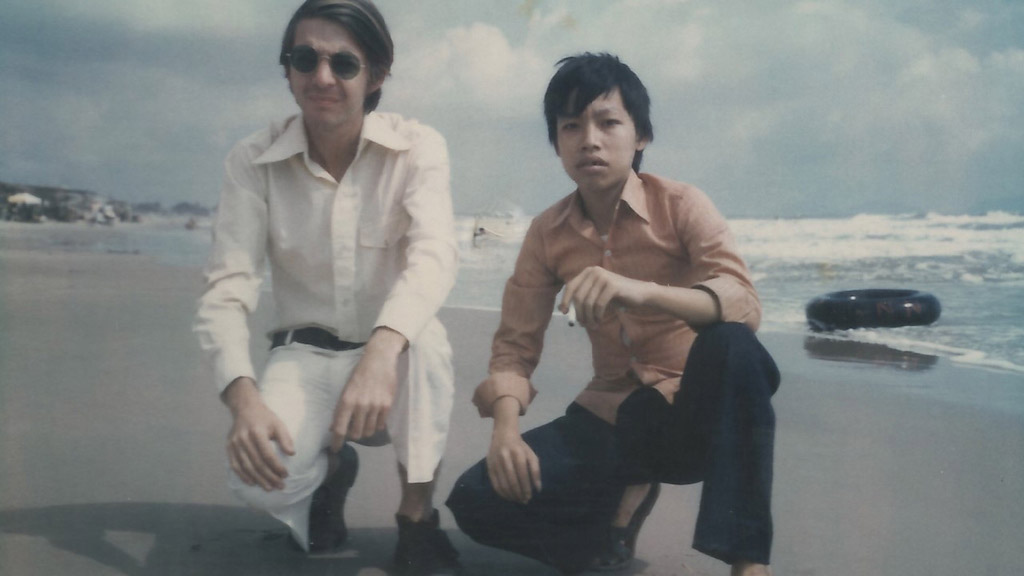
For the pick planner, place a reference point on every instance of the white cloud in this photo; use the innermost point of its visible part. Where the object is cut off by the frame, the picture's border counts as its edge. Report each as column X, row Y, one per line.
column 972, row 19
column 228, row 17
column 472, row 66
column 1010, row 61
column 652, row 4
column 769, row 102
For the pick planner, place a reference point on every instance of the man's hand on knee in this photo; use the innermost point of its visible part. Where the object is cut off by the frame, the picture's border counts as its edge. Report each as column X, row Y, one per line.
column 251, row 440
column 512, row 466
column 366, row 400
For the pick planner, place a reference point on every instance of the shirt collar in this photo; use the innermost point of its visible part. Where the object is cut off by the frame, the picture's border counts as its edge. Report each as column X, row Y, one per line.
column 377, row 129
column 293, row 140
column 288, row 143
column 632, row 195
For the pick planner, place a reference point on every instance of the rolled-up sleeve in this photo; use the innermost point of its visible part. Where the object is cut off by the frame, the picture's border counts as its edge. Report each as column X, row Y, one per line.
column 526, row 310
column 233, row 273
column 432, row 252
column 716, row 262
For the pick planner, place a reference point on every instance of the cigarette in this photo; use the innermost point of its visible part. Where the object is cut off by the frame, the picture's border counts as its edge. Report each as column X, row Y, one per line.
column 571, row 314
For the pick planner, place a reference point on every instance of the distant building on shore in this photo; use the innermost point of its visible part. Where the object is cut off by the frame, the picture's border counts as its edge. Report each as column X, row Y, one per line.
column 59, row 204
column 70, row 205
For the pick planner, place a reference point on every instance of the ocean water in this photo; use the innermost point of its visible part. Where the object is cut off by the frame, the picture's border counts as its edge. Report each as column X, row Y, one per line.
column 974, row 265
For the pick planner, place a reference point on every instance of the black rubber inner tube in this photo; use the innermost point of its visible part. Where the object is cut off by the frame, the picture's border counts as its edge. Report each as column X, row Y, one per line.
column 872, row 308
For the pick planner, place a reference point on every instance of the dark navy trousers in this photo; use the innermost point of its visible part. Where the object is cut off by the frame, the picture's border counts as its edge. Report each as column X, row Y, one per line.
column 719, row 430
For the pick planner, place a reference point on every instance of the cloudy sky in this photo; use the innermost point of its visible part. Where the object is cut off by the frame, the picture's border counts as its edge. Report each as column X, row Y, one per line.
column 824, row 108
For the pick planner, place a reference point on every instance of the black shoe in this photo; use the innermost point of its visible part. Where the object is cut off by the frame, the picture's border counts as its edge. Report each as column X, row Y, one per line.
column 621, row 543
column 424, row 549
column 327, row 530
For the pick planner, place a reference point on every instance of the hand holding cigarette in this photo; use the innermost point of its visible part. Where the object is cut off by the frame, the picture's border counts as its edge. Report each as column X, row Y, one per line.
column 571, row 314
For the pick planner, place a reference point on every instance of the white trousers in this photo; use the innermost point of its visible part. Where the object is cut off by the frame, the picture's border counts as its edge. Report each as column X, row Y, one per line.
column 301, row 384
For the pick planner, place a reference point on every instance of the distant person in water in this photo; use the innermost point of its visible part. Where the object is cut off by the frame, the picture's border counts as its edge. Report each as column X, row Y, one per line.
column 480, row 232
column 681, row 387
column 352, row 210
column 477, row 233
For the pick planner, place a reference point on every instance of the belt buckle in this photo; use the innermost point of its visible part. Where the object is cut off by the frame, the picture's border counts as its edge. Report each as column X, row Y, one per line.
column 289, row 337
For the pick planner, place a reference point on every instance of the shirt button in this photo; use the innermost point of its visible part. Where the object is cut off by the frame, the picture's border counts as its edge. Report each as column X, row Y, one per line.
column 608, row 253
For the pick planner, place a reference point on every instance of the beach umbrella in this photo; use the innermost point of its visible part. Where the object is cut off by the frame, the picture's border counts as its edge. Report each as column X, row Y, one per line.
column 24, row 198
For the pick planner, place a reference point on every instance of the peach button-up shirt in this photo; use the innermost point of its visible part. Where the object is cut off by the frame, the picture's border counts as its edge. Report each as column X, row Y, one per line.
column 664, row 232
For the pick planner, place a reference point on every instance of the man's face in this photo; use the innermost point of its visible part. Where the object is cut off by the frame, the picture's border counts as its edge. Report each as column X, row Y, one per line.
column 597, row 147
column 327, row 101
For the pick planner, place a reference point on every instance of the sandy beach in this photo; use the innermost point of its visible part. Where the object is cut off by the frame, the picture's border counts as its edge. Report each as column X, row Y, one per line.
column 111, row 446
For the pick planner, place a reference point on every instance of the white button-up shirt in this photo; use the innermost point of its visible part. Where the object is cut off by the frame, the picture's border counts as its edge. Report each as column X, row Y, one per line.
column 376, row 249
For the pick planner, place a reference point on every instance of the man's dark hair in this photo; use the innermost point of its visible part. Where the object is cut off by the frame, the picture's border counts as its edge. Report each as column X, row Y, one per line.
column 366, row 24
column 583, row 78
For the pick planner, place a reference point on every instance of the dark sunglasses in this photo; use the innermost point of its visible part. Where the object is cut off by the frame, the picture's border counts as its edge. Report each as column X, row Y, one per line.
column 344, row 65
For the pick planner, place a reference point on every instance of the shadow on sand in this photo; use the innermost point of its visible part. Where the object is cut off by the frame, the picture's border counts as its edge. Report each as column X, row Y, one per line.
column 157, row 539
column 150, row 539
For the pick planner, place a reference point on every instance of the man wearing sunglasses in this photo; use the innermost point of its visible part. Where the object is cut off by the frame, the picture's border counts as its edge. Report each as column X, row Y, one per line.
column 351, row 208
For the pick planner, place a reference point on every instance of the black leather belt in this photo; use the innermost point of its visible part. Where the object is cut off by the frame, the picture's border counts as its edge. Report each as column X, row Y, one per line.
column 313, row 337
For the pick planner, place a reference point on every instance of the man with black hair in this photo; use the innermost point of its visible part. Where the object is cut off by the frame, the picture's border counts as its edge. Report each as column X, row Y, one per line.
column 681, row 387
column 352, row 210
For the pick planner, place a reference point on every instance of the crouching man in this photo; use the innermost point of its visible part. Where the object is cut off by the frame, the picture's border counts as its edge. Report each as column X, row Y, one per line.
column 681, row 387
column 352, row 211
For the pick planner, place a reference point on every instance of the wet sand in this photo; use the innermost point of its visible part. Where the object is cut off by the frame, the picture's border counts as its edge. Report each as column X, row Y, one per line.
column 111, row 446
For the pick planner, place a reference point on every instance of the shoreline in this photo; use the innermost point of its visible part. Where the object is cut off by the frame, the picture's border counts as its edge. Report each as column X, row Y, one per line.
column 168, row 241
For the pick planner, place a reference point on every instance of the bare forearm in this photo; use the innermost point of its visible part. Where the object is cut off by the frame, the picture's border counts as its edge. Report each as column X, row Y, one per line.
column 240, row 391
column 596, row 291
column 506, row 416
column 386, row 342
